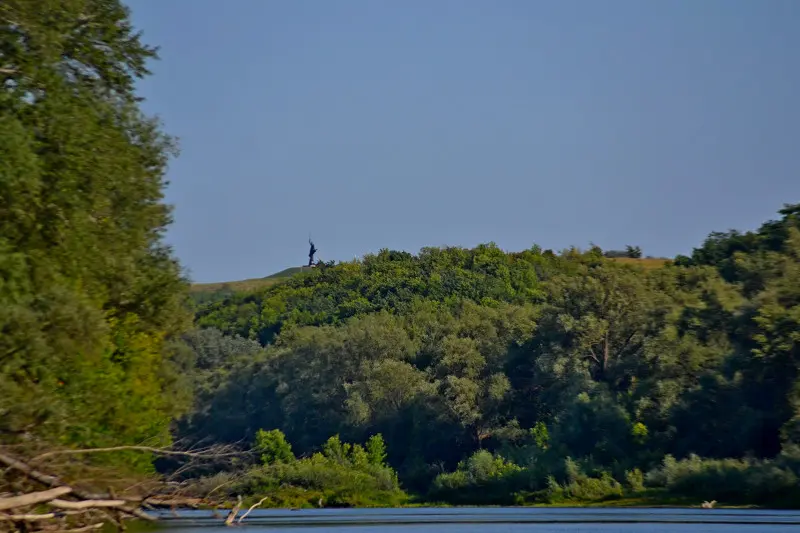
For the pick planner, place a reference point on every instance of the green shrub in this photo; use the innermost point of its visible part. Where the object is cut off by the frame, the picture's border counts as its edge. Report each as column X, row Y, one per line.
column 732, row 481
column 342, row 475
column 273, row 447
column 579, row 486
column 482, row 478
column 594, row 489
column 376, row 450
column 635, row 480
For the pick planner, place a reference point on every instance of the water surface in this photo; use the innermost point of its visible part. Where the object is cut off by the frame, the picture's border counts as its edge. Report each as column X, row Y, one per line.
column 495, row 520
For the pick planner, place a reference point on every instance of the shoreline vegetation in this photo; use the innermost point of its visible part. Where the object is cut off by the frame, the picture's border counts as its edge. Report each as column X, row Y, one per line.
column 344, row 475
column 451, row 376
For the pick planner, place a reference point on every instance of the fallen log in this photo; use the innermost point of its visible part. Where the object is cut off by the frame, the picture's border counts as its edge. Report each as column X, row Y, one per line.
column 234, row 512
column 33, row 498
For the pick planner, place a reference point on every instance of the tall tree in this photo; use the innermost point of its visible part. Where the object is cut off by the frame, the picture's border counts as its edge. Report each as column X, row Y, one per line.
column 89, row 290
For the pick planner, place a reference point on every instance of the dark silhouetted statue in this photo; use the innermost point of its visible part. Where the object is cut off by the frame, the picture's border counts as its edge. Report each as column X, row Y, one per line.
column 311, row 253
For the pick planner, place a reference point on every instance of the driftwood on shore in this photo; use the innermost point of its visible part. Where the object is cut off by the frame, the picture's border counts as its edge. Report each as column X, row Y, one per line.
column 33, row 498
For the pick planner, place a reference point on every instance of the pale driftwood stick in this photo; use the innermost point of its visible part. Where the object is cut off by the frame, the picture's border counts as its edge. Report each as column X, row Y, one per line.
column 251, row 508
column 90, row 527
column 234, row 511
column 31, row 517
column 26, row 517
column 33, row 498
column 87, row 504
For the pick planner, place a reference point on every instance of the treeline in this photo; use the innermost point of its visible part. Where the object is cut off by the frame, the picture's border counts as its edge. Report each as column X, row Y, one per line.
column 491, row 376
column 479, row 366
column 88, row 291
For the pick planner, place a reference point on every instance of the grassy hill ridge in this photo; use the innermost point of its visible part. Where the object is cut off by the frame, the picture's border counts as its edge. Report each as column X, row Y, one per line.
column 248, row 284
column 204, row 291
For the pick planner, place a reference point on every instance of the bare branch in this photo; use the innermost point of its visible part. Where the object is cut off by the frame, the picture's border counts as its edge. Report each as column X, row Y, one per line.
column 173, row 502
column 90, row 527
column 90, row 502
column 251, row 508
column 138, row 513
column 204, row 454
column 45, row 479
column 33, row 498
column 34, row 517
column 27, row 517
column 94, row 507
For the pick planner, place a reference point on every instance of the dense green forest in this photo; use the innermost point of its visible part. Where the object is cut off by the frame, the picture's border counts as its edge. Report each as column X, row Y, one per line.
column 496, row 376
column 454, row 375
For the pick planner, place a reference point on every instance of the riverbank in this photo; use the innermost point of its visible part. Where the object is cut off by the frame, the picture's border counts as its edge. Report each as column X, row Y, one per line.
column 651, row 500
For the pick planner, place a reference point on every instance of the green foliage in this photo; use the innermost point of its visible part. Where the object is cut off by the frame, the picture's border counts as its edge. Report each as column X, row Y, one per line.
column 634, row 252
column 736, row 481
column 342, row 475
column 578, row 487
column 540, row 435
column 451, row 352
column 376, row 450
column 447, row 354
column 482, row 478
column 639, row 433
column 635, row 480
column 90, row 294
column 272, row 447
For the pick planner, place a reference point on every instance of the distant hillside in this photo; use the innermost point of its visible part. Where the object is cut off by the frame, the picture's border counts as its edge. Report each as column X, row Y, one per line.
column 647, row 263
column 205, row 292
column 507, row 378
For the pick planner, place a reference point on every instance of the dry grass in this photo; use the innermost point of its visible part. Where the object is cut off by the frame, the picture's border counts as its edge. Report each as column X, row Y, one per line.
column 647, row 264
column 244, row 285
column 247, row 285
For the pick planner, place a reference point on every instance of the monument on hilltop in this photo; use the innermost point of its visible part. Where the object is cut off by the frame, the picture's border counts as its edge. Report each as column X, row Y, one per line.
column 311, row 253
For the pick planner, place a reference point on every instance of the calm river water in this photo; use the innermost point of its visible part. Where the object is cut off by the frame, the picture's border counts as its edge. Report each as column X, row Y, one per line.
column 496, row 520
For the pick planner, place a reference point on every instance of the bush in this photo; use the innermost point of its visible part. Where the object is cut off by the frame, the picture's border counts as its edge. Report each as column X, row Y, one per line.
column 376, row 450
column 732, row 481
column 594, row 489
column 579, row 486
column 635, row 480
column 483, row 478
column 342, row 475
column 273, row 447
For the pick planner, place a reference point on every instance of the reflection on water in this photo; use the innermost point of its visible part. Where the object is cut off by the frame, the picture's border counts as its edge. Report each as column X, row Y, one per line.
column 496, row 520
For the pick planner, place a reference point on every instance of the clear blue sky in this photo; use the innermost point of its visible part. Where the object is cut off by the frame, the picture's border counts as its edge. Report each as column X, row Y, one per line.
column 412, row 123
